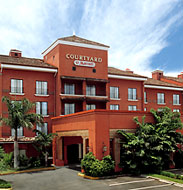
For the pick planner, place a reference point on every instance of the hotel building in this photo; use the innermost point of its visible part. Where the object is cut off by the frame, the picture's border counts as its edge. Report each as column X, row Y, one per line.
column 82, row 99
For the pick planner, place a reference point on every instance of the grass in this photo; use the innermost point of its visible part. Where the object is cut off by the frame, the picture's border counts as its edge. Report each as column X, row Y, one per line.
column 167, row 178
column 8, row 171
column 4, row 184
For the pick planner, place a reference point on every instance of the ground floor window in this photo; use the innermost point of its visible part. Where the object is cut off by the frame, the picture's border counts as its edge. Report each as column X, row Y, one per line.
column 69, row 108
column 19, row 132
column 114, row 107
column 132, row 108
column 90, row 106
column 43, row 128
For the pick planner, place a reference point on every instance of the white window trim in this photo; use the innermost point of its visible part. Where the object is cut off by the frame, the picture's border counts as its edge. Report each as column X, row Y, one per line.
column 115, row 98
column 133, row 100
column 20, row 94
column 77, row 95
column 96, row 96
column 176, row 104
column 161, row 103
column 41, row 95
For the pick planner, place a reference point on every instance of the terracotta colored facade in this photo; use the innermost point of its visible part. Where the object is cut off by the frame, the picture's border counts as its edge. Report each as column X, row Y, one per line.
column 83, row 100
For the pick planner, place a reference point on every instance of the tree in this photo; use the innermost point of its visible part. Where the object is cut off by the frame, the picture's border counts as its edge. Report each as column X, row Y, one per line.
column 149, row 148
column 42, row 143
column 19, row 116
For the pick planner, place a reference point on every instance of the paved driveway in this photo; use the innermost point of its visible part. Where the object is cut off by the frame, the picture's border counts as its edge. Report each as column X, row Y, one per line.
column 67, row 179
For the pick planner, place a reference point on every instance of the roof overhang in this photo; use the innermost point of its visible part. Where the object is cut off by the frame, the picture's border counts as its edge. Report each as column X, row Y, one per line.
column 127, row 77
column 30, row 68
column 163, row 87
column 57, row 42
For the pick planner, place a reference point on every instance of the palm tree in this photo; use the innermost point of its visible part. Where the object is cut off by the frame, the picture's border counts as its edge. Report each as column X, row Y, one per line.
column 43, row 142
column 19, row 115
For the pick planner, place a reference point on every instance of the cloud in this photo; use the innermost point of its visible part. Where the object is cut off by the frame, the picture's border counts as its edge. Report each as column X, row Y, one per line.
column 135, row 30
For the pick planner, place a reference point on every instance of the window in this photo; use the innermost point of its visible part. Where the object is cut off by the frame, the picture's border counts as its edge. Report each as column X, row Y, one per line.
column 132, row 108
column 145, row 97
column 19, row 132
column 132, row 94
column 91, row 90
column 43, row 128
column 90, row 106
column 114, row 107
column 114, row 92
column 176, row 99
column 42, row 108
column 145, row 109
column 160, row 98
column 16, row 86
column 176, row 110
column 69, row 108
column 41, row 87
column 69, row 88
column 160, row 109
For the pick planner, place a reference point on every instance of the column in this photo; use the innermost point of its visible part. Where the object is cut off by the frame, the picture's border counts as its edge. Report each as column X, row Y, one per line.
column 59, row 149
column 84, row 146
column 117, row 150
column 84, row 93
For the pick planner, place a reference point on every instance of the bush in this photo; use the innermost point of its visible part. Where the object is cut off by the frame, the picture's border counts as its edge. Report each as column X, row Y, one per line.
column 8, row 159
column 94, row 167
column 4, row 184
column 23, row 161
column 34, row 162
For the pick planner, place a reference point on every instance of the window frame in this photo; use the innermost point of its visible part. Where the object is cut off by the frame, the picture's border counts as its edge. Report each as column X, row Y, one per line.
column 43, row 127
column 114, row 106
column 90, row 90
column 132, row 94
column 160, row 98
column 41, row 90
column 90, row 107
column 20, row 132
column 132, row 106
column 69, row 108
column 176, row 99
column 16, row 86
column 40, row 109
column 114, row 92
column 69, row 88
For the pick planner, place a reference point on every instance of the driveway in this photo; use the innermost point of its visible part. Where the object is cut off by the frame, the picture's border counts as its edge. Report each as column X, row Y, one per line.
column 67, row 179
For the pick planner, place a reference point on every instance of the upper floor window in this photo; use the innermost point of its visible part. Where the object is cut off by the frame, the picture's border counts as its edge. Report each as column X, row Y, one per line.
column 114, row 107
column 19, row 132
column 69, row 88
column 160, row 98
column 43, row 128
column 176, row 99
column 90, row 106
column 41, row 87
column 114, row 92
column 69, row 108
column 176, row 110
column 132, row 94
column 16, row 86
column 145, row 97
column 132, row 108
column 42, row 108
column 91, row 90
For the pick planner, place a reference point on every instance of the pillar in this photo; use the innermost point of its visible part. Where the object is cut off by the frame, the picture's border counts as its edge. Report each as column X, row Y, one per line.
column 84, row 146
column 59, row 149
column 117, row 153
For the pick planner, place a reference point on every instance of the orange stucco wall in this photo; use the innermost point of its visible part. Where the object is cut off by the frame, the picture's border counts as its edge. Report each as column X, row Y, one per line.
column 29, row 89
column 152, row 99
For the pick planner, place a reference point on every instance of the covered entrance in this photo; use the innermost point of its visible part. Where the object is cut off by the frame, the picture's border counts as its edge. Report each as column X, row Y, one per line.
column 74, row 153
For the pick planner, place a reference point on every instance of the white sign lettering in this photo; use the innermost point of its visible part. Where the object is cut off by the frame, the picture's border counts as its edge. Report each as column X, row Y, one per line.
column 84, row 63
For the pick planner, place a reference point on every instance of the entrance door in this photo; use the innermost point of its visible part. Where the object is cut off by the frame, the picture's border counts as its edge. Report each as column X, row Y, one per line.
column 73, row 153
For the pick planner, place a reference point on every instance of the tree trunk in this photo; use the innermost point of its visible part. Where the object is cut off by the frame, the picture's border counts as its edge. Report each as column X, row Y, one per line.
column 16, row 151
column 46, row 159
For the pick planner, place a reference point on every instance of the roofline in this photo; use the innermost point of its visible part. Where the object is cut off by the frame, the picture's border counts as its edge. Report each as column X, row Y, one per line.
column 127, row 77
column 31, row 68
column 163, row 87
column 57, row 42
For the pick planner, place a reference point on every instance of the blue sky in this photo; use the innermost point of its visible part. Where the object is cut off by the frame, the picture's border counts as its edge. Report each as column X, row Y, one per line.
column 143, row 35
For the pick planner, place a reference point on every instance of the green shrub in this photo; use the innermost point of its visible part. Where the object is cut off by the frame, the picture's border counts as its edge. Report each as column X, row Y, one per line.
column 23, row 160
column 8, row 159
column 4, row 184
column 1, row 152
column 34, row 162
column 94, row 167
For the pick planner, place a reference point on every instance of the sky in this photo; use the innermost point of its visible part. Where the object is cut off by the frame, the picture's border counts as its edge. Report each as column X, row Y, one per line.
column 143, row 35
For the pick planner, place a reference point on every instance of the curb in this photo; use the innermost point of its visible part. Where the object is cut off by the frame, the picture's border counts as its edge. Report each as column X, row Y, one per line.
column 6, row 188
column 28, row 171
column 166, row 181
column 87, row 177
